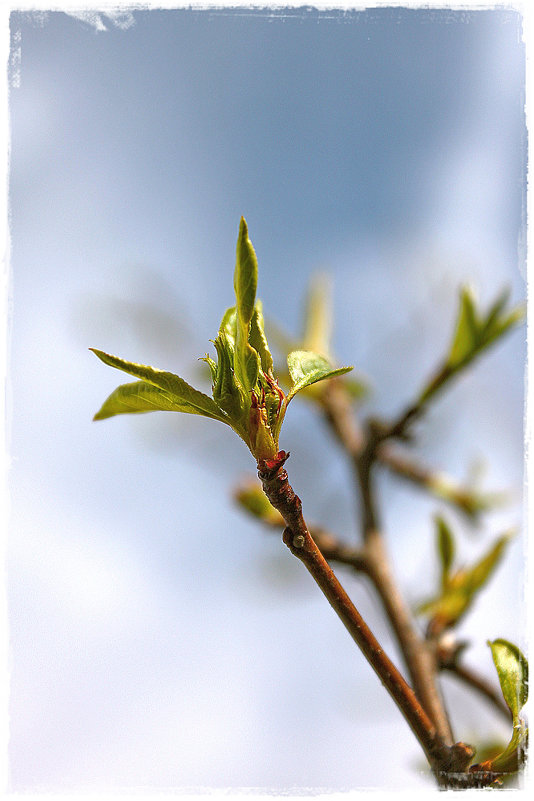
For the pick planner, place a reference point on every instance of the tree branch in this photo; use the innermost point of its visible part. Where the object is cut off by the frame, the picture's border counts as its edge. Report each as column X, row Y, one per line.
column 441, row 757
column 418, row 657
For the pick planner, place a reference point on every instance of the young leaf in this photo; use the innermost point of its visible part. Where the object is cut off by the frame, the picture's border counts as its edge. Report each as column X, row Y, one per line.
column 227, row 393
column 495, row 310
column 475, row 332
column 228, row 326
column 445, row 548
column 511, row 758
column 465, row 338
column 512, row 670
column 246, row 359
column 252, row 498
column 189, row 399
column 138, row 397
column 211, row 364
column 479, row 574
column 245, row 275
column 460, row 589
column 258, row 340
column 307, row 367
column 318, row 317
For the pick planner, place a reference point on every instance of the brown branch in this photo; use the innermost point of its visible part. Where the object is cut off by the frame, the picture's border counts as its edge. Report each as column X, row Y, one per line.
column 441, row 757
column 334, row 550
column 338, row 412
column 399, row 428
column 417, row 656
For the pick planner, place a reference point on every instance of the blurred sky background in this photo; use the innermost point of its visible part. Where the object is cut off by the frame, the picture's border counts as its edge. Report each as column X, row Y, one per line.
column 159, row 638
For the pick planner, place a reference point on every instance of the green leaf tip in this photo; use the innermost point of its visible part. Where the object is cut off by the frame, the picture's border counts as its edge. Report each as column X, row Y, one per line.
column 307, row 367
column 475, row 331
column 318, row 316
column 512, row 671
column 446, row 548
column 459, row 588
column 251, row 497
column 245, row 275
column 174, row 394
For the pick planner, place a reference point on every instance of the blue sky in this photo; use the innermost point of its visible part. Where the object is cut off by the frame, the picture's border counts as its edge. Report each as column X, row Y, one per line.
column 158, row 637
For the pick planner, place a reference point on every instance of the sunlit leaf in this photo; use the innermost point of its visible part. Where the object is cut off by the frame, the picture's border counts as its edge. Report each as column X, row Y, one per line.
column 189, row 399
column 258, row 340
column 511, row 759
column 512, row 670
column 139, row 397
column 445, row 548
column 228, row 326
column 358, row 389
column 245, row 275
column 478, row 575
column 227, row 393
column 495, row 311
column 475, row 332
column 502, row 325
column 307, row 367
column 211, row 364
column 459, row 589
column 465, row 338
column 252, row 498
column 318, row 316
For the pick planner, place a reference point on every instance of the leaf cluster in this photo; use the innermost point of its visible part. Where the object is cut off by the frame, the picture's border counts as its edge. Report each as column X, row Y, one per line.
column 459, row 587
column 245, row 393
column 474, row 332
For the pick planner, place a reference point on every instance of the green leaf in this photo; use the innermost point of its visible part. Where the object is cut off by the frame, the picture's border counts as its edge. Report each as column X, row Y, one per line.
column 247, row 363
column 252, row 498
column 480, row 573
column 445, row 548
column 318, row 316
column 465, row 338
column 307, row 367
column 495, row 311
column 511, row 758
column 228, row 326
column 258, row 340
column 474, row 332
column 189, row 399
column 211, row 364
column 138, row 397
column 227, row 393
column 460, row 589
column 512, row 670
column 500, row 327
column 245, row 275
column 356, row 388
column 247, row 366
